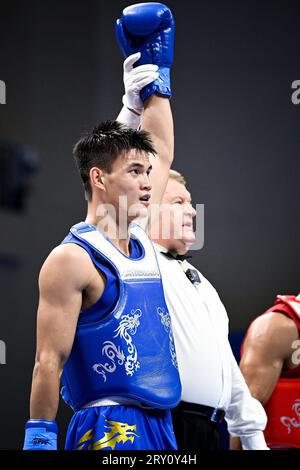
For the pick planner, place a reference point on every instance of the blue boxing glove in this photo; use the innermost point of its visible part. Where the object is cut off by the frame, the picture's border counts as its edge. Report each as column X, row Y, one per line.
column 149, row 28
column 40, row 434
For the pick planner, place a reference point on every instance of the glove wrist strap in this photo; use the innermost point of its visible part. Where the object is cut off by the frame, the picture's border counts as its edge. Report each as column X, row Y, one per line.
column 40, row 434
column 162, row 85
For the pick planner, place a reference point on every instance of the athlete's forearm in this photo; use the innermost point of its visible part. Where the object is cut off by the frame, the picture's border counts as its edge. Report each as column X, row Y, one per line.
column 158, row 120
column 44, row 397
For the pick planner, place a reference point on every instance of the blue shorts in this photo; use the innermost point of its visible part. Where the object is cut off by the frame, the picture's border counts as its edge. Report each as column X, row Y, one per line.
column 121, row 427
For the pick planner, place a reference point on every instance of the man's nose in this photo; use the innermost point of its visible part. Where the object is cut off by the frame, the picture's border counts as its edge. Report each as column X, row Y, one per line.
column 145, row 184
column 190, row 210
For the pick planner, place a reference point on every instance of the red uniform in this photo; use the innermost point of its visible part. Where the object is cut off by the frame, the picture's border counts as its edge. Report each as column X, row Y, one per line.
column 283, row 407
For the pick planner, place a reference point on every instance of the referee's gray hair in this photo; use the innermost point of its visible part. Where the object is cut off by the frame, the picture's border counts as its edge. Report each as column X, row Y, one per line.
column 175, row 175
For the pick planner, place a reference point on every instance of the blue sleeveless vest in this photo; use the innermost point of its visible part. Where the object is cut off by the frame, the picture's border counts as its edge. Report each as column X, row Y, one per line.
column 130, row 352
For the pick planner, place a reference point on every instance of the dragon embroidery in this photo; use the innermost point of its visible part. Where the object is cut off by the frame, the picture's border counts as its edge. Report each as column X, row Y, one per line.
column 127, row 328
column 166, row 322
column 117, row 433
column 289, row 422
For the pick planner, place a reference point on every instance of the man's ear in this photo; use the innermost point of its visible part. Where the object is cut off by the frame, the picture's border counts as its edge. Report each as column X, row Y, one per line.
column 97, row 178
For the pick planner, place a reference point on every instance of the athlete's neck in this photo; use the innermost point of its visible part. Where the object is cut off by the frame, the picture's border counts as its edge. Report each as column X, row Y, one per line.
column 117, row 233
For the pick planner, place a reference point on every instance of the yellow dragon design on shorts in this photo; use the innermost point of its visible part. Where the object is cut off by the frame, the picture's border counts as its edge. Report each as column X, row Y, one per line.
column 117, row 432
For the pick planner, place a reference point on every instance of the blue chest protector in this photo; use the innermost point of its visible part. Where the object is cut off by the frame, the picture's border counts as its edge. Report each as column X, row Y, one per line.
column 128, row 352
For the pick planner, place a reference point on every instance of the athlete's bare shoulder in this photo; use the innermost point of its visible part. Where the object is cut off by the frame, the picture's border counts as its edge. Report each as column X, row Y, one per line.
column 272, row 332
column 67, row 264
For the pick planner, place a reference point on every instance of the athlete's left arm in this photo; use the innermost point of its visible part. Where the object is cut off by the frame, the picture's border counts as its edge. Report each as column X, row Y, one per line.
column 158, row 120
column 153, row 25
column 155, row 117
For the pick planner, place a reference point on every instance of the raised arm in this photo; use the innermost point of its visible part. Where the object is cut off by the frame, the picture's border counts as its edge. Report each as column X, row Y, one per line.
column 155, row 117
column 148, row 29
column 158, row 120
